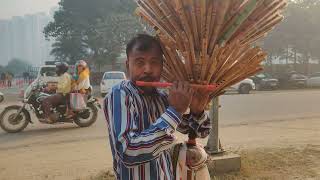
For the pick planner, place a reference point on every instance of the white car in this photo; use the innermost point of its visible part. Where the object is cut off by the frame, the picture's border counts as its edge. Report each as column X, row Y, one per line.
column 110, row 79
column 46, row 74
column 314, row 80
column 243, row 87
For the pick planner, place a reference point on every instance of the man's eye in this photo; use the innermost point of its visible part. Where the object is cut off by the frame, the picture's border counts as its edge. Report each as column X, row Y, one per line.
column 139, row 63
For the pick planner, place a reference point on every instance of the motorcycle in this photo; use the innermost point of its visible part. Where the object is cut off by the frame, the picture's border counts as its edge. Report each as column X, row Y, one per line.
column 16, row 118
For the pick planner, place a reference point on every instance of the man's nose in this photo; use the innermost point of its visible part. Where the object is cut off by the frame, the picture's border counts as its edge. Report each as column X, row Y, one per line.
column 148, row 69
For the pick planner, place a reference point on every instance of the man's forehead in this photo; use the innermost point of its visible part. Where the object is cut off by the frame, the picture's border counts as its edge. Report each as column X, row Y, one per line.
column 151, row 51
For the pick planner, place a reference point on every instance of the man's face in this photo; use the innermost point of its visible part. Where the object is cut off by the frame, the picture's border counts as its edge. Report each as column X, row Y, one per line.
column 145, row 65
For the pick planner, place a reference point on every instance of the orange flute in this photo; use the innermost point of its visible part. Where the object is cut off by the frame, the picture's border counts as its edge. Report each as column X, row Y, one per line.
column 211, row 87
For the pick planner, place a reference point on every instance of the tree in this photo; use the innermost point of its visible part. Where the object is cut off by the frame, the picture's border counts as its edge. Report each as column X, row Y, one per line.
column 68, row 49
column 95, row 30
column 299, row 32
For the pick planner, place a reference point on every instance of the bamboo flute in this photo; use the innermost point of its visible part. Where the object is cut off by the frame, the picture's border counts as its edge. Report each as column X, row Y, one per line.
column 266, row 28
column 173, row 21
column 211, row 41
column 212, row 25
column 192, row 14
column 205, row 41
column 222, row 10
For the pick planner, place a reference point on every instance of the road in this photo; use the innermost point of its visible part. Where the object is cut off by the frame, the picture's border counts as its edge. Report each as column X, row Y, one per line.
column 235, row 109
column 269, row 106
column 62, row 144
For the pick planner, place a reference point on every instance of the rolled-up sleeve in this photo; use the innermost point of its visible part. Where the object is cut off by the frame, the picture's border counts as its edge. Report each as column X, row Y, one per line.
column 201, row 126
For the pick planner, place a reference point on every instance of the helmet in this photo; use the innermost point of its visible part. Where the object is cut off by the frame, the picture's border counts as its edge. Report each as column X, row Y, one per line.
column 61, row 68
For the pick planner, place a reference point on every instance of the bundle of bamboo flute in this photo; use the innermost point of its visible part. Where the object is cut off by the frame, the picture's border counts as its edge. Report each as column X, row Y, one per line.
column 211, row 41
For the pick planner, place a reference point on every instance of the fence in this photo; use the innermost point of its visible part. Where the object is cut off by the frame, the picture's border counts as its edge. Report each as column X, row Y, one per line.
column 16, row 83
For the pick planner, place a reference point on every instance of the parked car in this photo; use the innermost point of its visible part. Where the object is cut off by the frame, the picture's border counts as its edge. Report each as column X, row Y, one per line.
column 293, row 79
column 243, row 87
column 265, row 81
column 314, row 80
column 298, row 80
column 110, row 79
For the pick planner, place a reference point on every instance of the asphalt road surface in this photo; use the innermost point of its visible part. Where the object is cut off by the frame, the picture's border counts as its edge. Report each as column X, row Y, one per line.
column 235, row 110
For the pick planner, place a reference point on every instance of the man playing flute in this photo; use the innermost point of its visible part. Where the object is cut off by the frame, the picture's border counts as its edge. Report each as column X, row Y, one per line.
column 142, row 121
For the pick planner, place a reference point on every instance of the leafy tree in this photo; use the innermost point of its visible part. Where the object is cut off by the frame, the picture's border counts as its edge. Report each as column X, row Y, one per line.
column 95, row 30
column 299, row 33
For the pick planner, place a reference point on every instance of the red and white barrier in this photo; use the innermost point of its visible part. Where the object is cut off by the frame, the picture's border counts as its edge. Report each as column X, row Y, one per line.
column 19, row 83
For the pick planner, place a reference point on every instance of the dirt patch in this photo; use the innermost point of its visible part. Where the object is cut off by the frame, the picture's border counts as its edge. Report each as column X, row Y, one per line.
column 278, row 164
column 266, row 164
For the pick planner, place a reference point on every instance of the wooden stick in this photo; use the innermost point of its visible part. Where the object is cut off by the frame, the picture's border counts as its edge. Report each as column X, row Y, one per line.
column 222, row 10
column 240, row 18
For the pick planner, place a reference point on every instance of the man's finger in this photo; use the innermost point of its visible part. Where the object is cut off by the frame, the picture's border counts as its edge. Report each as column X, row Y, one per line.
column 175, row 85
column 180, row 85
column 187, row 85
column 191, row 91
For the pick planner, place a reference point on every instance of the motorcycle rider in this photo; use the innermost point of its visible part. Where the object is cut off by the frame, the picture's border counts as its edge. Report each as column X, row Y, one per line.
column 81, row 80
column 62, row 93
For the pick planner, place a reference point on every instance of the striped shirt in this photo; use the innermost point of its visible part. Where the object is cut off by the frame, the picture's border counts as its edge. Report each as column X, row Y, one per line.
column 141, row 132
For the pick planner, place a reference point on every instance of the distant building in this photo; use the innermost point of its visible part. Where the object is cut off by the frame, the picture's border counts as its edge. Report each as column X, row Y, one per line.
column 23, row 38
column 4, row 41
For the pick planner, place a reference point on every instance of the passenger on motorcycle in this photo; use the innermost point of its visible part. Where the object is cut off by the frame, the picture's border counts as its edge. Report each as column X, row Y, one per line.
column 81, row 80
column 62, row 93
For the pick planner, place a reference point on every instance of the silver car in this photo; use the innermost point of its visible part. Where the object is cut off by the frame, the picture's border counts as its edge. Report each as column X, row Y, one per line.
column 314, row 80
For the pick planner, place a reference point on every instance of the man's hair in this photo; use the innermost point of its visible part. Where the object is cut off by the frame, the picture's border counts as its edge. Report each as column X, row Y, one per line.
column 143, row 42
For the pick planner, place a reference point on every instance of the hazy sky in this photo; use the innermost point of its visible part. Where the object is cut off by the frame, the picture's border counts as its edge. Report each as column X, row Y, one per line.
column 9, row 8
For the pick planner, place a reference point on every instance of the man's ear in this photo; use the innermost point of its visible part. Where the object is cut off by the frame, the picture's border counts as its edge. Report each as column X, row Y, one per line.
column 127, row 65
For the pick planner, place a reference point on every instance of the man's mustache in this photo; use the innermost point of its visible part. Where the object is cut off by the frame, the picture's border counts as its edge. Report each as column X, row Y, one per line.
column 147, row 79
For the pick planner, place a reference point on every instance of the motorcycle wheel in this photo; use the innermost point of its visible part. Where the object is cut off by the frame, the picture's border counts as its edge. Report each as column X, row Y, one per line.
column 88, row 120
column 11, row 125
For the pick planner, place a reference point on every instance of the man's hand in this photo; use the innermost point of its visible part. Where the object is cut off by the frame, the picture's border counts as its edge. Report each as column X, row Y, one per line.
column 200, row 100
column 180, row 96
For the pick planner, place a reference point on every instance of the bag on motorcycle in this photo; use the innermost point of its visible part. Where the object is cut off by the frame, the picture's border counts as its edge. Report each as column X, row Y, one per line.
column 78, row 101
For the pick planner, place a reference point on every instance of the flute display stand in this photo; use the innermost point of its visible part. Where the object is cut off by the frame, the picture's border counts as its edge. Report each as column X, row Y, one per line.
column 219, row 160
column 214, row 146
